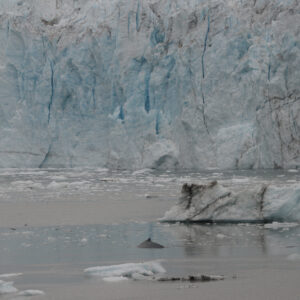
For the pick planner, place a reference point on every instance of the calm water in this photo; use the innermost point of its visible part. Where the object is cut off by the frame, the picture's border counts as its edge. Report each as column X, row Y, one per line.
column 118, row 243
column 55, row 255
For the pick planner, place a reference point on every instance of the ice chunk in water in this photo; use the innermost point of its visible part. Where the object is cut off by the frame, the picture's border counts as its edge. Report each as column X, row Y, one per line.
column 6, row 287
column 214, row 202
column 29, row 293
column 129, row 270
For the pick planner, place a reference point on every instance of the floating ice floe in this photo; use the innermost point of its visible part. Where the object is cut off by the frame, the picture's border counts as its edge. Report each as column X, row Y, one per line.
column 115, row 279
column 124, row 271
column 57, row 185
column 141, row 172
column 279, row 225
column 7, row 287
column 144, row 271
column 214, row 202
column 30, row 293
column 221, row 236
column 10, row 275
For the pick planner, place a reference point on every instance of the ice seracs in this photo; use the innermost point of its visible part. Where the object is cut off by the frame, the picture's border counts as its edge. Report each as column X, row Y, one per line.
column 150, row 84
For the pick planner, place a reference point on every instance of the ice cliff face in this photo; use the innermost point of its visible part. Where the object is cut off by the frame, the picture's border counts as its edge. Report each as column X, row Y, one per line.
column 144, row 83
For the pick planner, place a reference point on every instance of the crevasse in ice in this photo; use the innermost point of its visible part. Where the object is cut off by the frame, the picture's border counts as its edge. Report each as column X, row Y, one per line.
column 150, row 84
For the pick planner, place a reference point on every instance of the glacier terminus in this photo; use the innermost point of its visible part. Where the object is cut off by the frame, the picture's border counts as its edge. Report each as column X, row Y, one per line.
column 150, row 84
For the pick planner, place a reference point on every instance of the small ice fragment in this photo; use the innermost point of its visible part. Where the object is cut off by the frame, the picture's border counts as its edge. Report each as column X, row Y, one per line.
column 83, row 241
column 221, row 236
column 57, row 185
column 10, row 275
column 212, row 277
column 141, row 172
column 240, row 180
column 126, row 270
column 30, row 293
column 115, row 279
column 103, row 235
column 278, row 225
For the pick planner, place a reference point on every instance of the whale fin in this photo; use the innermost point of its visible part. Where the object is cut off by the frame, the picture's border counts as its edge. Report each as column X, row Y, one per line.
column 149, row 244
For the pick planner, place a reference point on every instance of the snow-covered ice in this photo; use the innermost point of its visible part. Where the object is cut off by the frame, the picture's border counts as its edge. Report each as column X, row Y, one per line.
column 245, row 203
column 30, row 293
column 129, row 270
column 115, row 279
column 7, row 287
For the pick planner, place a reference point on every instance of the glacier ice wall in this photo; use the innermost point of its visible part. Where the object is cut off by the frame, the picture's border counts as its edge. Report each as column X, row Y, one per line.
column 147, row 83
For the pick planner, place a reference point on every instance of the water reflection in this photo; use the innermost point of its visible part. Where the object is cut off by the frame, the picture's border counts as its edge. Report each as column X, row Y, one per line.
column 247, row 240
column 118, row 243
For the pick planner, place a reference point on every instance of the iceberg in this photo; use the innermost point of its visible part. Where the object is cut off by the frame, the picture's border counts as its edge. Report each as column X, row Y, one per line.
column 143, row 84
column 214, row 202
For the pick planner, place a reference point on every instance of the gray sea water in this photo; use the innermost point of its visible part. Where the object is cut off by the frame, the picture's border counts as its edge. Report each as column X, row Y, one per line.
column 55, row 223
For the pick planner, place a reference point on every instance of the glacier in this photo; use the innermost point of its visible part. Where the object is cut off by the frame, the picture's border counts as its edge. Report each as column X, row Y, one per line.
column 136, row 84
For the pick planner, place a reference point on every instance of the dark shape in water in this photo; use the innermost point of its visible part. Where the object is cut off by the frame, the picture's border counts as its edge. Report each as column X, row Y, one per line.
column 149, row 244
column 192, row 278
